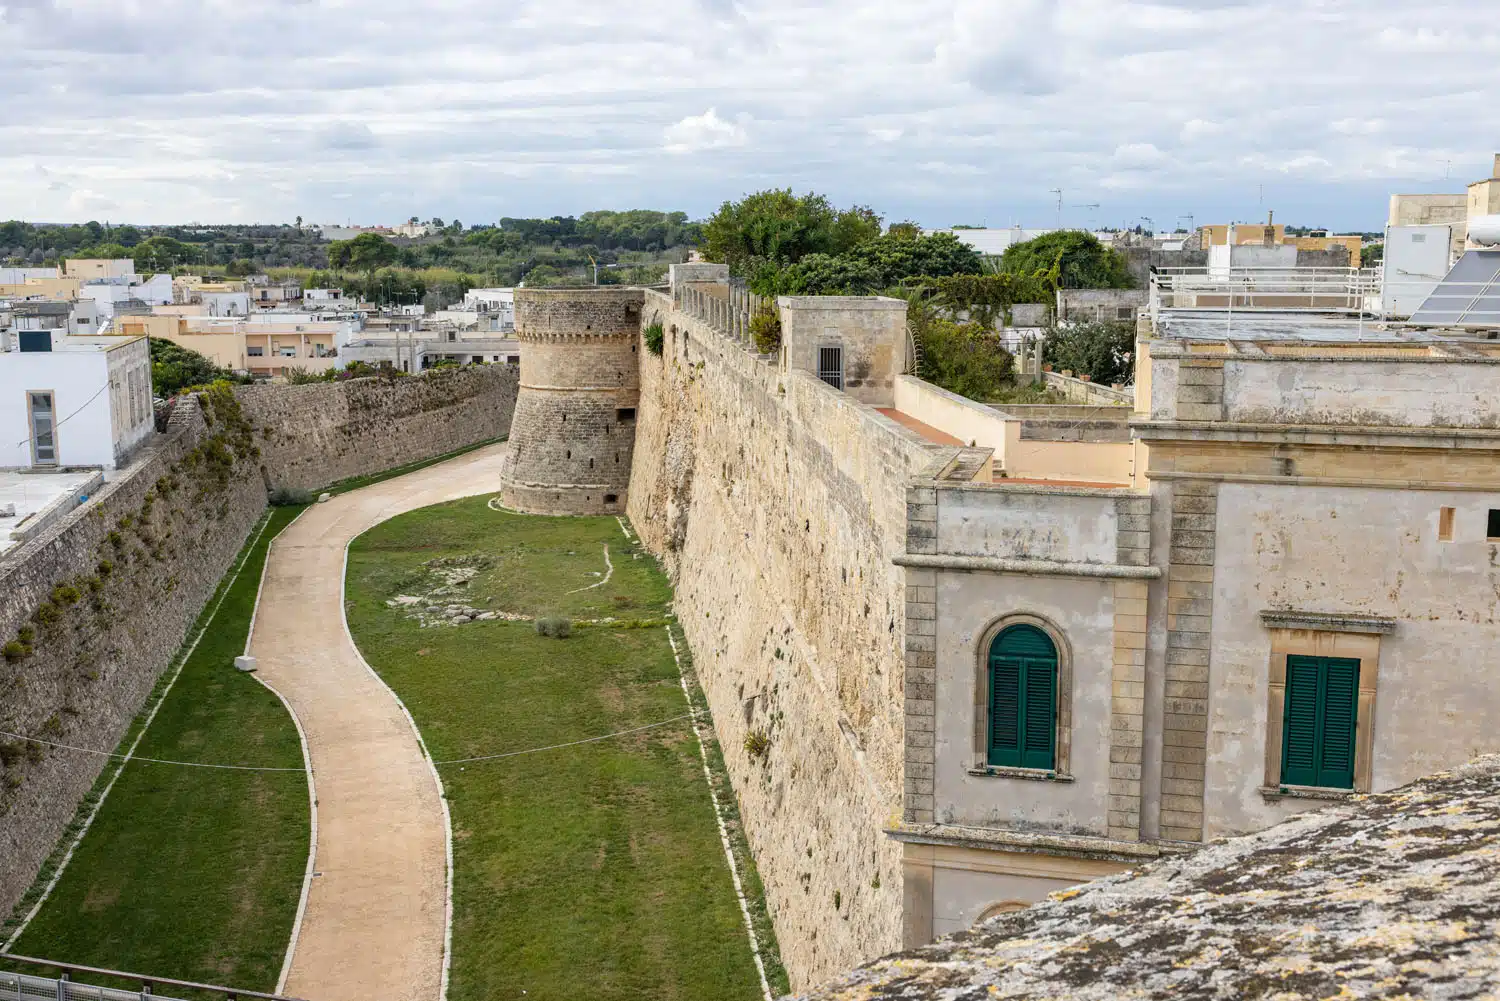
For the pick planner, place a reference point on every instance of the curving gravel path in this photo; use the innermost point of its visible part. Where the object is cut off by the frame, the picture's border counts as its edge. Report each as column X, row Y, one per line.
column 376, row 916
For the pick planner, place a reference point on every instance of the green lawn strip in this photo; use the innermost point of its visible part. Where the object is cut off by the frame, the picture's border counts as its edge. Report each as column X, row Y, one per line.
column 194, row 873
column 739, row 844
column 355, row 482
column 593, row 871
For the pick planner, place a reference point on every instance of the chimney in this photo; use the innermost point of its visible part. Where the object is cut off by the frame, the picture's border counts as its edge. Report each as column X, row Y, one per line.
column 1495, row 173
column 1269, row 239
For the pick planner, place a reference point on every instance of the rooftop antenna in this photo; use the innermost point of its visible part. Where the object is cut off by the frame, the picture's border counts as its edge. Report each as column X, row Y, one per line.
column 1058, row 192
column 1092, row 207
column 1447, row 168
column 1189, row 218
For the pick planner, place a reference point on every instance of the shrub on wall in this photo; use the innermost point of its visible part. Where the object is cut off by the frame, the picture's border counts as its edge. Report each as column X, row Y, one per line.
column 765, row 330
column 654, row 336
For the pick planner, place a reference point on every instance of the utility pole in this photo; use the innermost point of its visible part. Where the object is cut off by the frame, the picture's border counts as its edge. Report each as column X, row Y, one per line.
column 1059, row 193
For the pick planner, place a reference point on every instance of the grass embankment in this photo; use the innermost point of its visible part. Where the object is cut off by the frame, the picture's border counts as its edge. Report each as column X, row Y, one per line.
column 191, row 873
column 587, row 871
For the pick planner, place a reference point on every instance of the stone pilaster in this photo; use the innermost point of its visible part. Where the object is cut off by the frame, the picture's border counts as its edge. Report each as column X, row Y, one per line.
column 1128, row 681
column 1200, row 389
column 1190, row 588
column 921, row 657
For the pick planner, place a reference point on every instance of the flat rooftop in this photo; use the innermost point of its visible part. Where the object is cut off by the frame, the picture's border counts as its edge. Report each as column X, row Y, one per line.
column 1271, row 325
column 38, row 496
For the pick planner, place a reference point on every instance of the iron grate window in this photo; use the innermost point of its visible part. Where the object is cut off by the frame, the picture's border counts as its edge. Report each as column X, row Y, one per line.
column 831, row 366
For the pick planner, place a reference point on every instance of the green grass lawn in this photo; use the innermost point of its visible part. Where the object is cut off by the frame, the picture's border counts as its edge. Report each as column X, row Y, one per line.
column 592, row 871
column 193, row 873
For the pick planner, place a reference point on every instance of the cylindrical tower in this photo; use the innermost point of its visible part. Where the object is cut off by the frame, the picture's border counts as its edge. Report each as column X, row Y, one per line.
column 574, row 429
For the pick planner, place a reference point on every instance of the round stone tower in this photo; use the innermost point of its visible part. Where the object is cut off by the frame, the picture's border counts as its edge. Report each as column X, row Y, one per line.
column 574, row 428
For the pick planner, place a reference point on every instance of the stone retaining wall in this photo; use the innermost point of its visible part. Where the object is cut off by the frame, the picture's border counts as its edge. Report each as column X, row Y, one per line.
column 778, row 504
column 314, row 435
column 141, row 557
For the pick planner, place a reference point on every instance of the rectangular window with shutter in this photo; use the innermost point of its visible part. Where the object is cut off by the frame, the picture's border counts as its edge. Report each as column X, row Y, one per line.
column 1318, row 724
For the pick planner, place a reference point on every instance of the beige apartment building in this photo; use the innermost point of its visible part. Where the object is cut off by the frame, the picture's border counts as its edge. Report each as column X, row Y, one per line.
column 89, row 269
column 263, row 347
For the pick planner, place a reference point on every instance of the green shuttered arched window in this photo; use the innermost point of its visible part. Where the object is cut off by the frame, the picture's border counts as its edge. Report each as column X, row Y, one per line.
column 1318, row 723
column 1023, row 699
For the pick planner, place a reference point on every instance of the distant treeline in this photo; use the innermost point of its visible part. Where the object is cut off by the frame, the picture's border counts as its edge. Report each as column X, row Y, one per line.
column 631, row 245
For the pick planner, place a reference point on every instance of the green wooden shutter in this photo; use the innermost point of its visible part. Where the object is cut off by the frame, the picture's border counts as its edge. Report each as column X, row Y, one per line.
column 1318, row 722
column 1340, row 702
column 1005, row 711
column 1023, row 699
column 1040, row 713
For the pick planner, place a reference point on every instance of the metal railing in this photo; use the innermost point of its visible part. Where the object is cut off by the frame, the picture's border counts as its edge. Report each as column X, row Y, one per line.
column 1355, row 292
column 26, row 987
column 1319, row 290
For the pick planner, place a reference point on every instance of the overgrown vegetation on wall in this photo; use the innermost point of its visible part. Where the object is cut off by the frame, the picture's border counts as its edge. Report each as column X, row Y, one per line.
column 94, row 611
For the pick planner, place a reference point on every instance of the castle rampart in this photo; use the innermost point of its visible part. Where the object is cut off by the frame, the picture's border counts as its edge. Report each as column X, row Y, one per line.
column 574, row 430
column 779, row 503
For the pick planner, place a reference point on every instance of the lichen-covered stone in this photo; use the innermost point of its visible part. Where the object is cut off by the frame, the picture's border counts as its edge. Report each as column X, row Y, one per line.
column 1389, row 895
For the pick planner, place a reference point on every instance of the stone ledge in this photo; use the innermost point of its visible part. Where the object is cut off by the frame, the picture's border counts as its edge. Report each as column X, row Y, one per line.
column 1274, row 793
column 1048, row 568
column 1327, row 622
column 1029, row 774
column 997, row 839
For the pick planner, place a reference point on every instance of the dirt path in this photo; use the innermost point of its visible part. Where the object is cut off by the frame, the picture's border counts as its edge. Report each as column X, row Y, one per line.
column 376, row 916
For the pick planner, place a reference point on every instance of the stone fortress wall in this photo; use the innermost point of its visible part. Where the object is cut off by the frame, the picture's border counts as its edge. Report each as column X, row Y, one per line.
column 314, row 435
column 95, row 651
column 778, row 504
column 91, row 665
column 575, row 419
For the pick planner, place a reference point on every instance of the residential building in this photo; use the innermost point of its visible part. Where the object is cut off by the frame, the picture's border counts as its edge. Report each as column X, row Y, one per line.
column 116, row 291
column 993, row 242
column 1096, row 305
column 1279, row 592
column 88, row 269
column 275, row 295
column 1271, row 235
column 20, row 276
column 1484, row 196
column 69, row 400
column 263, row 344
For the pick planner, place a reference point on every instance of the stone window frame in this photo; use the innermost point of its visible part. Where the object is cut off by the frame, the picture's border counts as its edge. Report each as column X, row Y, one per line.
column 1314, row 634
column 1061, row 769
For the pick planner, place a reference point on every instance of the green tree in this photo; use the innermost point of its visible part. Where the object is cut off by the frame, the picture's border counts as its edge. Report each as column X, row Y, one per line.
column 1082, row 261
column 779, row 226
column 965, row 358
column 367, row 252
column 109, row 251
column 174, row 368
column 1102, row 351
column 161, row 253
column 906, row 230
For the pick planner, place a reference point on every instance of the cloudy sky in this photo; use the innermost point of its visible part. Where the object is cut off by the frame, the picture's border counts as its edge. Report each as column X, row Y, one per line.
column 963, row 111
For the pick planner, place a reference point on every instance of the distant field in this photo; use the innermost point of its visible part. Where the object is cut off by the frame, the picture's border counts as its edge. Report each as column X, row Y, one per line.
column 194, row 873
column 588, row 871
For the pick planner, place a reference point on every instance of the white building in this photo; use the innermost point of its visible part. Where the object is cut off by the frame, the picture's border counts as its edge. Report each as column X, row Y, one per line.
column 994, row 242
column 225, row 303
column 71, row 400
column 20, row 276
column 107, row 292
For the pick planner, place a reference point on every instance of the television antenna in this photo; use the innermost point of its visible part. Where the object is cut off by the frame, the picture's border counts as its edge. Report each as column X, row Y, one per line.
column 1059, row 193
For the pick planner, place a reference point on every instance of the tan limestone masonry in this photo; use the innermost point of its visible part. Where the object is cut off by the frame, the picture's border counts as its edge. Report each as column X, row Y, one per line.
column 376, row 911
column 1190, row 588
column 1128, row 697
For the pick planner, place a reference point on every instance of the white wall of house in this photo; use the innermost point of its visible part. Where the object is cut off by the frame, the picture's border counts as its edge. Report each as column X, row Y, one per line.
column 101, row 403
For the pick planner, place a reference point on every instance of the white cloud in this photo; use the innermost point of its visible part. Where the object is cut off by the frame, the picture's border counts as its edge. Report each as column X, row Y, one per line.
column 945, row 110
column 705, row 131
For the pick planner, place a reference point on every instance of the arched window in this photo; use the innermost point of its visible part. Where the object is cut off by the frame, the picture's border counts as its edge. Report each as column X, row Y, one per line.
column 1023, row 699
